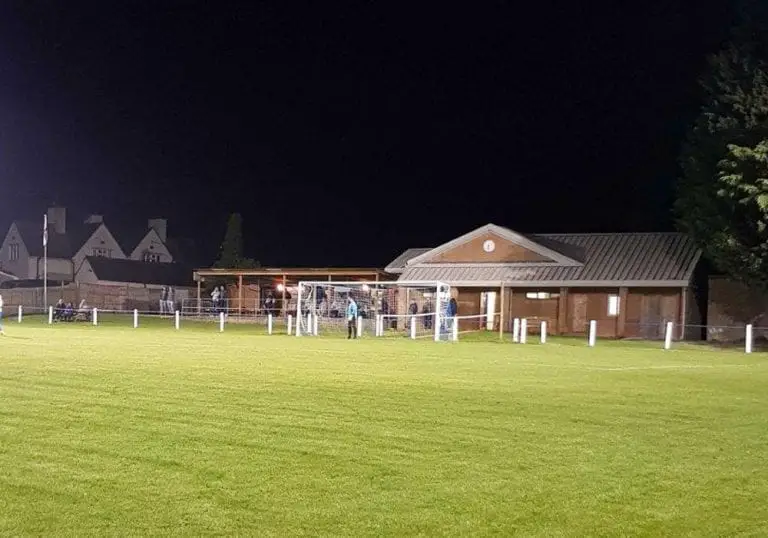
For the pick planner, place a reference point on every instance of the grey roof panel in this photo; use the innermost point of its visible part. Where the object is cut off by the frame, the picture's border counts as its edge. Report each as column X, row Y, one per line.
column 398, row 264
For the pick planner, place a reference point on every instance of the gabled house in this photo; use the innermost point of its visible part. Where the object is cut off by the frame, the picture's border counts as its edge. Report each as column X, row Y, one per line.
column 630, row 283
column 149, row 245
column 22, row 251
column 69, row 246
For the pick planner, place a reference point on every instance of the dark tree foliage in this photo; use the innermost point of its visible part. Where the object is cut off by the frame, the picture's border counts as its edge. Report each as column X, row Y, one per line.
column 723, row 191
column 231, row 251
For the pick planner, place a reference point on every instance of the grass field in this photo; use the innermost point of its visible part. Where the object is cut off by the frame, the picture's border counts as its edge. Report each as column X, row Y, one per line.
column 114, row 431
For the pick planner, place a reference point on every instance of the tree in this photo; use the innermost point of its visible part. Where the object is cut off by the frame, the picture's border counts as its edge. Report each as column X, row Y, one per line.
column 723, row 191
column 231, row 251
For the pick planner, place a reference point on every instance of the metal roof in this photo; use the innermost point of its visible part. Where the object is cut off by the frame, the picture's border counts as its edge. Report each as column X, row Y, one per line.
column 294, row 271
column 621, row 259
column 398, row 264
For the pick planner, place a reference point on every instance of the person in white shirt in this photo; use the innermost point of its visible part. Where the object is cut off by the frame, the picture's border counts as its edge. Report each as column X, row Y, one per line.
column 215, row 296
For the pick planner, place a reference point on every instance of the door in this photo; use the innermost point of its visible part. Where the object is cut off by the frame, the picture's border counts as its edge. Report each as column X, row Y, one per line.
column 489, row 309
column 651, row 324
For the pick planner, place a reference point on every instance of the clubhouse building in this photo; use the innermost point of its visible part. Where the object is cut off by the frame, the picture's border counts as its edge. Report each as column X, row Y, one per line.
column 630, row 283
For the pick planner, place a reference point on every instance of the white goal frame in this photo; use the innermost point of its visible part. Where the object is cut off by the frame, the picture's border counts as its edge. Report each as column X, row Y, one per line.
column 441, row 289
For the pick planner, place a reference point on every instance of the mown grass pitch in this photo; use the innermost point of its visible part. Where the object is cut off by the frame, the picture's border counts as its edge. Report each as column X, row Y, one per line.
column 114, row 431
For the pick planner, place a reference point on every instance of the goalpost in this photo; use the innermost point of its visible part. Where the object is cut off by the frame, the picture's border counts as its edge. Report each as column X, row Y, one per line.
column 384, row 309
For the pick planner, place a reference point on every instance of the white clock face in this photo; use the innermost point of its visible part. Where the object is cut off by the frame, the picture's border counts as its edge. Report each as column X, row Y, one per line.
column 489, row 245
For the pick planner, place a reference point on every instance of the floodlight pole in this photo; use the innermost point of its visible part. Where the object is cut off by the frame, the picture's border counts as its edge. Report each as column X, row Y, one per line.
column 45, row 261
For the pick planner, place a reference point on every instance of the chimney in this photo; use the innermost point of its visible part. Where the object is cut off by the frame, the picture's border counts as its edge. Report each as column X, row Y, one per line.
column 57, row 219
column 94, row 219
column 160, row 226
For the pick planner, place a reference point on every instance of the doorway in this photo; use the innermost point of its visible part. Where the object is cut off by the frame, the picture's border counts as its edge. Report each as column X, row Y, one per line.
column 488, row 307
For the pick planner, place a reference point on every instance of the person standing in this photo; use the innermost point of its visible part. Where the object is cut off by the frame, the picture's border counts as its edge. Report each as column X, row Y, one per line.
column 170, row 304
column 215, row 299
column 351, row 318
column 163, row 298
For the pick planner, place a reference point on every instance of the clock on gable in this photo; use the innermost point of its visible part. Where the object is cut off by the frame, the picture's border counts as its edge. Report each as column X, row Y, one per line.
column 489, row 245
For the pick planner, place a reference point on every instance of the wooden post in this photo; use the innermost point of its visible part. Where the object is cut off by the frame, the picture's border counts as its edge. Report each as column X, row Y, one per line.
column 683, row 311
column 501, row 313
column 240, row 296
column 199, row 280
column 622, row 321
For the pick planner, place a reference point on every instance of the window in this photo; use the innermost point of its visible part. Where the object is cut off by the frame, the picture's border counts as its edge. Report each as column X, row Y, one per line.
column 103, row 252
column 541, row 295
column 151, row 257
column 13, row 252
column 613, row 305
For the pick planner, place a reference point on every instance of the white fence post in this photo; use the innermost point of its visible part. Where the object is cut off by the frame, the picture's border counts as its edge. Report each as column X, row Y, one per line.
column 20, row 309
column 309, row 323
column 314, row 324
column 221, row 322
column 543, row 334
column 95, row 316
column 516, row 330
column 668, row 335
column 377, row 330
column 413, row 328
column 523, row 330
column 592, row 333
column 50, row 315
column 290, row 324
column 269, row 323
column 359, row 326
column 748, row 341
column 455, row 329
column 135, row 318
column 177, row 321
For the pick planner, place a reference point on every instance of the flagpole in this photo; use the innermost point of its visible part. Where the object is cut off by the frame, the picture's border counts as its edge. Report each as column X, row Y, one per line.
column 45, row 261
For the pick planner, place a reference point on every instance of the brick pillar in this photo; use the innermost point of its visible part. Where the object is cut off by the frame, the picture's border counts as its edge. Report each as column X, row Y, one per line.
column 562, row 313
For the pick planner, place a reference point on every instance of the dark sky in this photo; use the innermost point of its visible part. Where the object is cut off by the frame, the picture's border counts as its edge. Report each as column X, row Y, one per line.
column 346, row 132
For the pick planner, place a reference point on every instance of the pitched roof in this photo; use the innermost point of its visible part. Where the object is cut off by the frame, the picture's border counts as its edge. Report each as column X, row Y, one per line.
column 5, row 275
column 140, row 272
column 398, row 264
column 544, row 247
column 621, row 259
column 59, row 245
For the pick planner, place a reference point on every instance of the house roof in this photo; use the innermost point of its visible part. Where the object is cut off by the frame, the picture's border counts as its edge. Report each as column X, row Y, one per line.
column 140, row 272
column 59, row 245
column 5, row 275
column 621, row 259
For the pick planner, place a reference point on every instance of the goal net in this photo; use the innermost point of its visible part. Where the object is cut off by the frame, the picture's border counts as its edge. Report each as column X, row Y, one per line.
column 384, row 309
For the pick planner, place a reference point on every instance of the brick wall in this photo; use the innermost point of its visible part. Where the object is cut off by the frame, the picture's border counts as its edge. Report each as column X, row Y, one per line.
column 102, row 296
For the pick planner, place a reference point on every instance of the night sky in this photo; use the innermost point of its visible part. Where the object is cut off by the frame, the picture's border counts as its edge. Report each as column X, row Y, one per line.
column 347, row 132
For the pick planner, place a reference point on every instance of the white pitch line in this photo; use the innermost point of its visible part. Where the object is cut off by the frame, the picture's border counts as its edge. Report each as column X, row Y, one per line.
column 632, row 368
